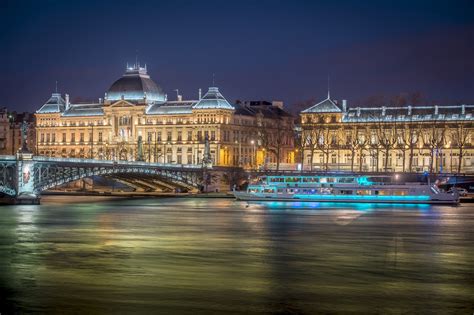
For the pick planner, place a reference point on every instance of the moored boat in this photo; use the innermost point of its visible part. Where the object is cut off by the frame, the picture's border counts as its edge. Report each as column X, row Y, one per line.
column 344, row 188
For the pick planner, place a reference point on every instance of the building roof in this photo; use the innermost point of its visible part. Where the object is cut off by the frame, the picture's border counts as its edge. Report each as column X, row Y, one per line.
column 171, row 108
column 213, row 99
column 409, row 113
column 55, row 104
column 265, row 109
column 325, row 106
column 76, row 110
column 135, row 85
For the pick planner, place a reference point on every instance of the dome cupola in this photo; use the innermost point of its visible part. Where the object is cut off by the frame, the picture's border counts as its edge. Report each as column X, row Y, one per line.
column 135, row 85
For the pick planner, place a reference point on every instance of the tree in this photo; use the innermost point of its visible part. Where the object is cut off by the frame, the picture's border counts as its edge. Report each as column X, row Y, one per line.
column 274, row 133
column 326, row 140
column 461, row 136
column 310, row 142
column 434, row 138
column 387, row 138
column 409, row 134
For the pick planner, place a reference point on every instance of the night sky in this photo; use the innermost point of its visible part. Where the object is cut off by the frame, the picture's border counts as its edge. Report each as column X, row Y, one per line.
column 273, row 50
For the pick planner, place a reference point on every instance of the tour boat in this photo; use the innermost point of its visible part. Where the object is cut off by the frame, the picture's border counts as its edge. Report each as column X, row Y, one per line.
column 344, row 188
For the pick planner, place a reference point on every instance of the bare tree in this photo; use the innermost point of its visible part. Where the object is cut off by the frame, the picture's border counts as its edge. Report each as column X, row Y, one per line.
column 461, row 136
column 387, row 138
column 274, row 134
column 326, row 141
column 310, row 142
column 434, row 139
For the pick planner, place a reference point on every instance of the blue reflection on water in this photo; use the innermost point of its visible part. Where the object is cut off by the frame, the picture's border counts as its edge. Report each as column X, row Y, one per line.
column 362, row 207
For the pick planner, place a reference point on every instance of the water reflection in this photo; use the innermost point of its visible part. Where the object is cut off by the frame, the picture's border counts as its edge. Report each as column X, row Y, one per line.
column 221, row 255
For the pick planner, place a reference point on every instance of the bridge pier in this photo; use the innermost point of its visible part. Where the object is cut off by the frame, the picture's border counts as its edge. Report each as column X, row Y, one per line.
column 25, row 193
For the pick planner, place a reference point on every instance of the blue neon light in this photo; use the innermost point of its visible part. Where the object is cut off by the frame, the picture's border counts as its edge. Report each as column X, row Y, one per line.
column 364, row 181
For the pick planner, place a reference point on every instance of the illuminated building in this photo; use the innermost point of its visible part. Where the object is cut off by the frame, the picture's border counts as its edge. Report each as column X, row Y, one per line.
column 135, row 112
column 387, row 138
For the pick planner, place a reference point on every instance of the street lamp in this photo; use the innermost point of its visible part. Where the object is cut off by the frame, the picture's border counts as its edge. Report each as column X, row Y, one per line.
column 254, row 160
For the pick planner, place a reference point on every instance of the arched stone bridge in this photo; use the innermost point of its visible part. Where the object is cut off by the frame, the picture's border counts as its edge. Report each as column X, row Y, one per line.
column 24, row 176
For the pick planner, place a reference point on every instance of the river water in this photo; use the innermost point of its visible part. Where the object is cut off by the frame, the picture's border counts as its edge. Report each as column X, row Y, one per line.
column 199, row 256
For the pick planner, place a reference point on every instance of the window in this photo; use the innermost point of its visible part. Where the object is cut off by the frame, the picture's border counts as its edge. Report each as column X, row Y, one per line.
column 53, row 137
column 180, row 138
column 168, row 136
column 42, row 137
column 47, row 137
column 199, row 135
column 100, row 136
column 213, row 135
column 150, row 135
column 158, row 136
column 190, row 135
column 190, row 159
column 180, row 161
column 64, row 137
column 81, row 139
column 91, row 137
column 73, row 137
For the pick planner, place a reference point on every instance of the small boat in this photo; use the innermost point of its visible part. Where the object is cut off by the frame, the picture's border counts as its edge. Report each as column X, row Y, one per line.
column 345, row 188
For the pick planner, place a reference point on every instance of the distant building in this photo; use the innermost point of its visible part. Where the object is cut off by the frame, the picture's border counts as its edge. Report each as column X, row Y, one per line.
column 10, row 131
column 135, row 112
column 387, row 138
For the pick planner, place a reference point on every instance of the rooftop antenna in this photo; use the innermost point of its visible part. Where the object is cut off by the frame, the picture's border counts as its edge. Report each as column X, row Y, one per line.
column 136, row 59
column 213, row 79
column 177, row 93
column 56, row 87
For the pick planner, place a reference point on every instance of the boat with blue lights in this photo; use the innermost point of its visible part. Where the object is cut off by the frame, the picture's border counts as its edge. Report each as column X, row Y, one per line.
column 345, row 188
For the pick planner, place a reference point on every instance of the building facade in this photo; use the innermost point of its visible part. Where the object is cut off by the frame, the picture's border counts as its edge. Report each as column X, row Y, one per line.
column 135, row 120
column 387, row 138
column 10, row 131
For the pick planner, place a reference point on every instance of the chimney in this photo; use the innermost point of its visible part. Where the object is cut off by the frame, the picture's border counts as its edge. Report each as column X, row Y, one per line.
column 100, row 100
column 67, row 101
column 436, row 109
column 409, row 110
column 383, row 110
column 200, row 92
column 344, row 106
column 463, row 109
column 358, row 111
column 180, row 98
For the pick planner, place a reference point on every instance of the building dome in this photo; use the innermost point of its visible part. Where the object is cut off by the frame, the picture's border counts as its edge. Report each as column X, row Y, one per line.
column 135, row 85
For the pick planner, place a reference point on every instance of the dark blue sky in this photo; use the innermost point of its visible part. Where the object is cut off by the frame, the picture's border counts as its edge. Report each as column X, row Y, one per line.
column 275, row 50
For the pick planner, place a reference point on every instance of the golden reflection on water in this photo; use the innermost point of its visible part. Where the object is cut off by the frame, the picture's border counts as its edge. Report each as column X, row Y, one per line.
column 220, row 255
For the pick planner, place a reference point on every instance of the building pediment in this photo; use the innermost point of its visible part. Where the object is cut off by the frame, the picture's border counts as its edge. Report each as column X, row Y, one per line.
column 122, row 103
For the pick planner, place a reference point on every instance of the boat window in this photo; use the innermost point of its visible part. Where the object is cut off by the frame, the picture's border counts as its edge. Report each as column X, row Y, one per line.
column 310, row 180
column 292, row 179
column 346, row 180
column 346, row 192
column 277, row 179
column 268, row 190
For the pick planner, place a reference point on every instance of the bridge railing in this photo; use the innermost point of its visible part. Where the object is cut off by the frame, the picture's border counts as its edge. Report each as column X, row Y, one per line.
column 118, row 163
